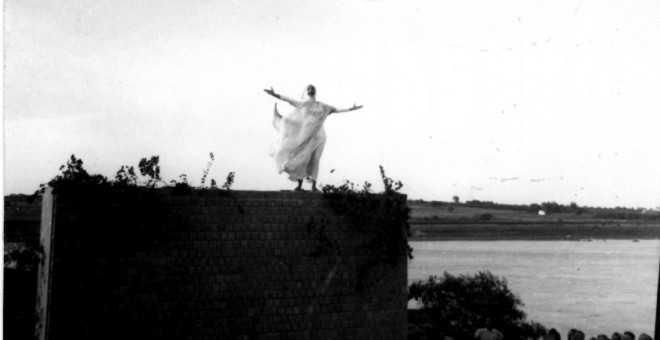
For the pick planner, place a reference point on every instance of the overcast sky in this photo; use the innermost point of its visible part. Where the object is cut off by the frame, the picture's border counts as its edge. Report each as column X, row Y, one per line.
column 508, row 101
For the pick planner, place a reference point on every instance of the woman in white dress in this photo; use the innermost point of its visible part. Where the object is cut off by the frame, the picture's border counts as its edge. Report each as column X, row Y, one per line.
column 301, row 137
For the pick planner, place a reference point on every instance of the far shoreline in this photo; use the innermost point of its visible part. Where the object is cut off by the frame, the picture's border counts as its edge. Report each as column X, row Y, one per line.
column 533, row 232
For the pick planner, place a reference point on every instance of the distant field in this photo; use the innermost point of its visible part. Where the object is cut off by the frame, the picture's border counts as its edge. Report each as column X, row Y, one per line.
column 430, row 222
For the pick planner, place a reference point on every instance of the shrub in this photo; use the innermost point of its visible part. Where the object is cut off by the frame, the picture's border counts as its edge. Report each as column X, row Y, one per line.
column 458, row 305
column 22, row 258
column 485, row 217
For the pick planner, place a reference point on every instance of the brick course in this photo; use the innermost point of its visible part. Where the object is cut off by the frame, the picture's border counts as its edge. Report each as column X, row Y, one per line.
column 201, row 269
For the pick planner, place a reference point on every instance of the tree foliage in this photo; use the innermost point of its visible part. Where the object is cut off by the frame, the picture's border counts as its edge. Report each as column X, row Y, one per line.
column 23, row 257
column 458, row 305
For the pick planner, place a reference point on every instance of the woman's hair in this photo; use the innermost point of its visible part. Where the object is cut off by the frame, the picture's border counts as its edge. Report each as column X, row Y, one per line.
column 630, row 334
column 616, row 335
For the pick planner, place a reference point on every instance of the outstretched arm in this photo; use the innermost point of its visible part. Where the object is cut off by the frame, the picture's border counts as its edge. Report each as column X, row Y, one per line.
column 355, row 107
column 284, row 98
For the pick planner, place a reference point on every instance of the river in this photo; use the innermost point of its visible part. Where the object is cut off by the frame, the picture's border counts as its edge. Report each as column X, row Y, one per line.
column 599, row 286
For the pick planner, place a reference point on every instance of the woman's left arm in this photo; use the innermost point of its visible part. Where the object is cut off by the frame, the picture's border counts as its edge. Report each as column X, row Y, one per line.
column 355, row 107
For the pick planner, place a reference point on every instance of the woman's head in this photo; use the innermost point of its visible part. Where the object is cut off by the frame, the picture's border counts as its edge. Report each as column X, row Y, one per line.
column 616, row 336
column 311, row 91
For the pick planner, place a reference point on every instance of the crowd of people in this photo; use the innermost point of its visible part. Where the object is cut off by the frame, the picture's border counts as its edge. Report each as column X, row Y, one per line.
column 576, row 334
column 491, row 333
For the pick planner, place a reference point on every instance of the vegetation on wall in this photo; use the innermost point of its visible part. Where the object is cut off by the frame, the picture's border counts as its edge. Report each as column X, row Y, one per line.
column 135, row 207
column 74, row 175
column 386, row 212
column 325, row 244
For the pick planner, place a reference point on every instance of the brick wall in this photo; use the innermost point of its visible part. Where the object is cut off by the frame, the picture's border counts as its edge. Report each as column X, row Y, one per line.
column 202, row 265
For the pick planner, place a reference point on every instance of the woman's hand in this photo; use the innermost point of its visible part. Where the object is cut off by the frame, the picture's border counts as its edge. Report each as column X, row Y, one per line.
column 271, row 92
column 356, row 107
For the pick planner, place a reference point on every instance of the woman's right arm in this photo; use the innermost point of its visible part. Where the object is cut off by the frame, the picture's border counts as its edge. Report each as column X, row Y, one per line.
column 271, row 92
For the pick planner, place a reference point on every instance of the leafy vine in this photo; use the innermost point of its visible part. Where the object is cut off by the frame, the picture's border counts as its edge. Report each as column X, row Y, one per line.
column 387, row 213
column 325, row 243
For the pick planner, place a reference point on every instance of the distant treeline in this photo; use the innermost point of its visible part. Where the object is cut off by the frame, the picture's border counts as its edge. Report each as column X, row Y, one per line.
column 619, row 213
column 626, row 215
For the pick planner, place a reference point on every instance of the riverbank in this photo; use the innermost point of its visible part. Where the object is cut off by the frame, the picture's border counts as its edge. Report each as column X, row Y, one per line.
column 448, row 223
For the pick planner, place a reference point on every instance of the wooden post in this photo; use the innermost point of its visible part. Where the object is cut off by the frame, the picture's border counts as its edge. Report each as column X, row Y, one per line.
column 45, row 265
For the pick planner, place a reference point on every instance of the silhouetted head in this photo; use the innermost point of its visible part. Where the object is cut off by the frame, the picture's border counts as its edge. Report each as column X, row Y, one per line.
column 311, row 91
column 554, row 334
column 577, row 335
column 616, row 336
column 602, row 337
column 645, row 336
column 628, row 335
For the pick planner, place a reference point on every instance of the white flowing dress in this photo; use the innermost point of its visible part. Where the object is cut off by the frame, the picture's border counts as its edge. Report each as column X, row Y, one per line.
column 300, row 140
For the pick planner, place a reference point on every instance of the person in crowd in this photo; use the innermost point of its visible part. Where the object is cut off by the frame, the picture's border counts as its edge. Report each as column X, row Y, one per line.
column 616, row 336
column 602, row 337
column 576, row 335
column 645, row 336
column 488, row 332
column 628, row 335
column 553, row 335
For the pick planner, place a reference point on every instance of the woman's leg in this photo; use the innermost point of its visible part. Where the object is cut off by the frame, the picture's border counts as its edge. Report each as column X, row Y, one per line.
column 299, row 187
column 313, row 166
